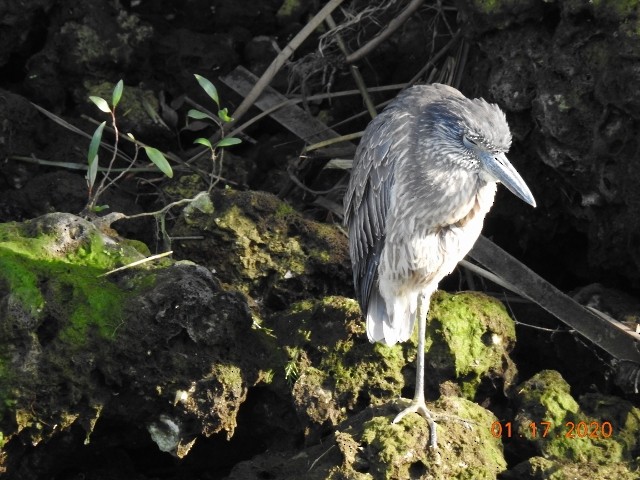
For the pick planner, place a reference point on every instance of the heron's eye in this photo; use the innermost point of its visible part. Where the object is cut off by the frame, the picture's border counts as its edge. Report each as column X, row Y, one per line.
column 469, row 142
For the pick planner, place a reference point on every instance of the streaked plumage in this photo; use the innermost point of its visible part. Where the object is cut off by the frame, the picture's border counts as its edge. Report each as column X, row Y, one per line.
column 424, row 177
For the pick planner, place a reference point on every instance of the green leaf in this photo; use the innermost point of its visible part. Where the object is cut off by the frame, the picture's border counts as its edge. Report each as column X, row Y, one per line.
column 159, row 161
column 224, row 115
column 203, row 141
column 228, row 141
column 92, row 172
column 101, row 103
column 117, row 93
column 92, row 155
column 208, row 87
column 95, row 142
column 198, row 115
column 99, row 208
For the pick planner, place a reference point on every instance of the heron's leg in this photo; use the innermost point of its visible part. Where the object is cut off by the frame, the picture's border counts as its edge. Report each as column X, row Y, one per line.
column 418, row 404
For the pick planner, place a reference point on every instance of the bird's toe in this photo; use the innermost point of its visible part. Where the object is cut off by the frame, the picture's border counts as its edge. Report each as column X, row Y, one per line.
column 420, row 407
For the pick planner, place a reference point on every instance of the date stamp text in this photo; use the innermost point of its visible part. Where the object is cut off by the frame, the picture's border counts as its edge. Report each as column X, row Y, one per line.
column 542, row 429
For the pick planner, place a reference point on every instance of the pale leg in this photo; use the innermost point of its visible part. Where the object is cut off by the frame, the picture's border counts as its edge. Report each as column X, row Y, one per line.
column 418, row 404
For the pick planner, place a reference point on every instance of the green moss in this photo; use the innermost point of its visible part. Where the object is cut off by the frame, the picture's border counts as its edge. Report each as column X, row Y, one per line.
column 302, row 306
column 624, row 13
column 487, row 6
column 7, row 400
column 137, row 245
column 395, row 442
column 620, row 8
column 471, row 333
column 51, row 266
column 539, row 467
column 324, row 331
column 352, row 365
column 88, row 45
column 21, row 281
column 257, row 261
column 284, row 210
column 321, row 255
column 287, row 8
column 137, row 105
column 230, row 376
column 467, row 450
column 624, row 417
column 354, row 369
column 546, row 397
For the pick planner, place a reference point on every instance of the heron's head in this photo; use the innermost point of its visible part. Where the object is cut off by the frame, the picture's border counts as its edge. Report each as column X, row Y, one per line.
column 474, row 134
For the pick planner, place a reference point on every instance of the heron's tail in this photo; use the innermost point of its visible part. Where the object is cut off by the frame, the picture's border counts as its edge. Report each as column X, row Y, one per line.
column 389, row 329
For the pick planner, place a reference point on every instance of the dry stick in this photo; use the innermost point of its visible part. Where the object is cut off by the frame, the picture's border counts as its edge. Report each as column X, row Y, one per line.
column 386, row 33
column 355, row 73
column 137, row 262
column 293, row 101
column 436, row 57
column 332, row 141
column 280, row 60
column 321, row 96
column 461, row 62
column 74, row 166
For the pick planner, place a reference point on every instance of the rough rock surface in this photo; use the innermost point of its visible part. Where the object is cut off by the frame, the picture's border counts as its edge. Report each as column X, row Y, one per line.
column 260, row 341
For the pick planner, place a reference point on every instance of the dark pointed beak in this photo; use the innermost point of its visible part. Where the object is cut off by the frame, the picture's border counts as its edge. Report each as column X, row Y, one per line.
column 499, row 167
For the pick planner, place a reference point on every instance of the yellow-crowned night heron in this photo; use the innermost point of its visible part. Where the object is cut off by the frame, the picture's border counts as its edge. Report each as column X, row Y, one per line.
column 423, row 179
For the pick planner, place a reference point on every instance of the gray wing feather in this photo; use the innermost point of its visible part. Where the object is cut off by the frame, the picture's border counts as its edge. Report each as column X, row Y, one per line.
column 367, row 200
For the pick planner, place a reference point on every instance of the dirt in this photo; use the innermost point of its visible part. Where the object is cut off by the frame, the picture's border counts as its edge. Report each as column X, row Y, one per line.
column 266, row 364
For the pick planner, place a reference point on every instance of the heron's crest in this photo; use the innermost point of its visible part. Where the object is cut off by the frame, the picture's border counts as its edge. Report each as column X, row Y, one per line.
column 451, row 118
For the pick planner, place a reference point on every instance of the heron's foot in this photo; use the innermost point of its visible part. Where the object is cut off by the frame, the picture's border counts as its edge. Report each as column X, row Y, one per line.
column 420, row 407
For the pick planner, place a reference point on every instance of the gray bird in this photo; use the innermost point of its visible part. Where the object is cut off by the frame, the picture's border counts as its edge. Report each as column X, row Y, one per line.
column 424, row 176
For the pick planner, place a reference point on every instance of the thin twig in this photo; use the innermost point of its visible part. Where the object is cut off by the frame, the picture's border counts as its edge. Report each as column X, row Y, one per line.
column 321, row 96
column 293, row 101
column 297, row 181
column 280, row 60
column 104, row 181
column 436, row 57
column 331, row 141
column 355, row 73
column 318, row 459
column 136, row 263
column 74, row 166
column 164, row 209
column 386, row 33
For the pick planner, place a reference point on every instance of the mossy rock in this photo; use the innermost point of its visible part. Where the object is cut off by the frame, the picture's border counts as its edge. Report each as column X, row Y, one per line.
column 491, row 14
column 469, row 337
column 368, row 446
column 158, row 341
column 265, row 249
column 326, row 343
column 540, row 468
column 138, row 110
column 606, row 431
column 53, row 294
column 52, row 266
column 465, row 450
